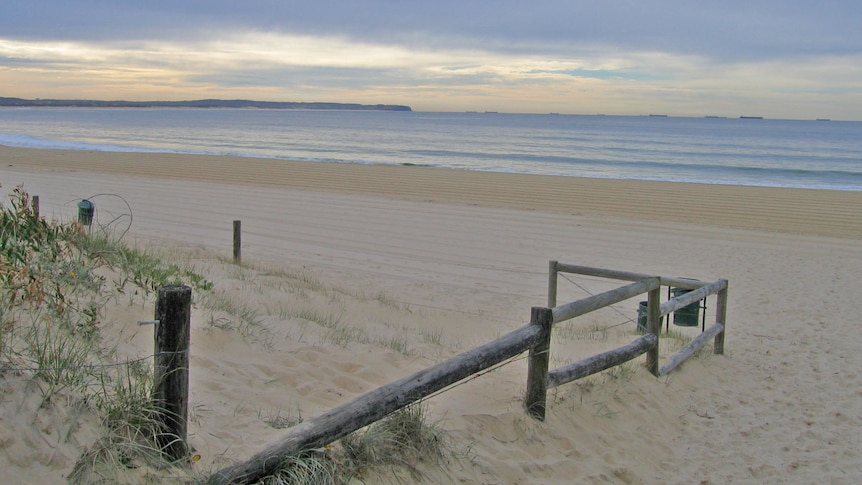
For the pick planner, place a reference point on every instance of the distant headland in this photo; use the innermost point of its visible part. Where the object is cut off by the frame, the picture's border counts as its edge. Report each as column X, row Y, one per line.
column 201, row 103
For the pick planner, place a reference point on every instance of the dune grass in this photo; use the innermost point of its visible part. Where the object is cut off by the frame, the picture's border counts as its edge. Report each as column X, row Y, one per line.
column 58, row 278
column 404, row 441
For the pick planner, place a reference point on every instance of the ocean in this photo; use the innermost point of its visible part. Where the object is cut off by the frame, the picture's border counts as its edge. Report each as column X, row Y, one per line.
column 782, row 153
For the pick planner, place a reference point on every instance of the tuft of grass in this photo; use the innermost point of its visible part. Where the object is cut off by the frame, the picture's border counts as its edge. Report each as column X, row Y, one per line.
column 432, row 336
column 673, row 340
column 405, row 439
column 59, row 360
column 396, row 342
column 387, row 300
column 129, row 445
column 241, row 317
column 309, row 468
column 571, row 330
column 327, row 319
column 343, row 335
column 620, row 373
column 275, row 419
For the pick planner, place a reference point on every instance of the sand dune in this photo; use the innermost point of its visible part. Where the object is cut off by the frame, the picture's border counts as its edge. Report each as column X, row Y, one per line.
column 443, row 260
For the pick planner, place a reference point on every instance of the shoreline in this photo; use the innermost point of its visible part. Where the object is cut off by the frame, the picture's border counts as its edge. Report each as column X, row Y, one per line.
column 814, row 212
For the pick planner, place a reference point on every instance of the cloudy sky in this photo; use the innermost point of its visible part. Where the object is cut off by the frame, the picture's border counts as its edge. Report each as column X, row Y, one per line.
column 773, row 58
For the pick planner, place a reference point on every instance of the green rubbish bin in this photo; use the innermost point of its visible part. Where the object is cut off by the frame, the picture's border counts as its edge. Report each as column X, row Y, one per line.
column 686, row 316
column 86, row 209
column 643, row 314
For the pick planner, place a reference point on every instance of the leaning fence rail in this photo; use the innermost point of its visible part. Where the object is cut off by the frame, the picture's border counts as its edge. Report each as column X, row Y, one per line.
column 534, row 337
column 600, row 362
column 377, row 404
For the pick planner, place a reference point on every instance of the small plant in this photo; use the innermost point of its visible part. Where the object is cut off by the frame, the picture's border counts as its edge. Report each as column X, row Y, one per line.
column 403, row 439
column 571, row 331
column 432, row 336
column 387, row 300
column 343, row 335
column 59, row 360
column 396, row 343
column 673, row 340
column 309, row 468
column 328, row 319
column 278, row 421
column 130, row 441
column 241, row 317
column 623, row 372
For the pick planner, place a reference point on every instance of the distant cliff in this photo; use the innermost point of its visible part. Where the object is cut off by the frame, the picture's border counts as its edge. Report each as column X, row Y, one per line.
column 202, row 103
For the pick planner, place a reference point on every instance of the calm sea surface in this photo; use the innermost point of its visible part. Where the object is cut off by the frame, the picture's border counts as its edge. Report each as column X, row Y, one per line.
column 785, row 153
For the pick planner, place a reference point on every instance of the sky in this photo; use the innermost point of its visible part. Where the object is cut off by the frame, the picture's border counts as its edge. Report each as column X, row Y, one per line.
column 778, row 59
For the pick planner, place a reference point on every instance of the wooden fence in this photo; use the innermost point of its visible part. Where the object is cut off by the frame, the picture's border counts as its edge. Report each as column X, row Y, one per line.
column 534, row 337
column 649, row 343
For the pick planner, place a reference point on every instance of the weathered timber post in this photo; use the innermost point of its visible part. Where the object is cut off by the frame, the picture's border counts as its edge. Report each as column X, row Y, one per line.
column 237, row 242
column 35, row 205
column 721, row 317
column 552, row 284
column 171, row 396
column 654, row 327
column 537, row 368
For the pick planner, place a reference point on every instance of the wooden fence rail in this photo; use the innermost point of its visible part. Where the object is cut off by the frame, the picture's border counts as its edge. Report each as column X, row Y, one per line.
column 595, row 302
column 600, row 362
column 686, row 283
column 693, row 296
column 379, row 403
column 690, row 348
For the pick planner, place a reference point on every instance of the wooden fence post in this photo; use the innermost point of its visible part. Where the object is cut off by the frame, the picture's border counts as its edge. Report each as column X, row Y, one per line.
column 173, row 313
column 552, row 284
column 654, row 327
column 537, row 368
column 35, row 205
column 721, row 317
column 237, row 242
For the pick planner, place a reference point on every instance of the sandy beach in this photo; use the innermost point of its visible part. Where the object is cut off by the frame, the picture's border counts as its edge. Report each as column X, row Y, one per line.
column 419, row 264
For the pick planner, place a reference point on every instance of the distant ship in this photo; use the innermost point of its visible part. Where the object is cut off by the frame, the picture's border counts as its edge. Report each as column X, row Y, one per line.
column 751, row 117
column 658, row 116
column 823, row 119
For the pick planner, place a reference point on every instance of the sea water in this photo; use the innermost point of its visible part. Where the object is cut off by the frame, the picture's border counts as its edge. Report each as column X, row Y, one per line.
column 784, row 153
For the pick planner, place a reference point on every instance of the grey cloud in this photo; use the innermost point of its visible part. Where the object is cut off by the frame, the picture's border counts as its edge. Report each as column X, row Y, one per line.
column 726, row 30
